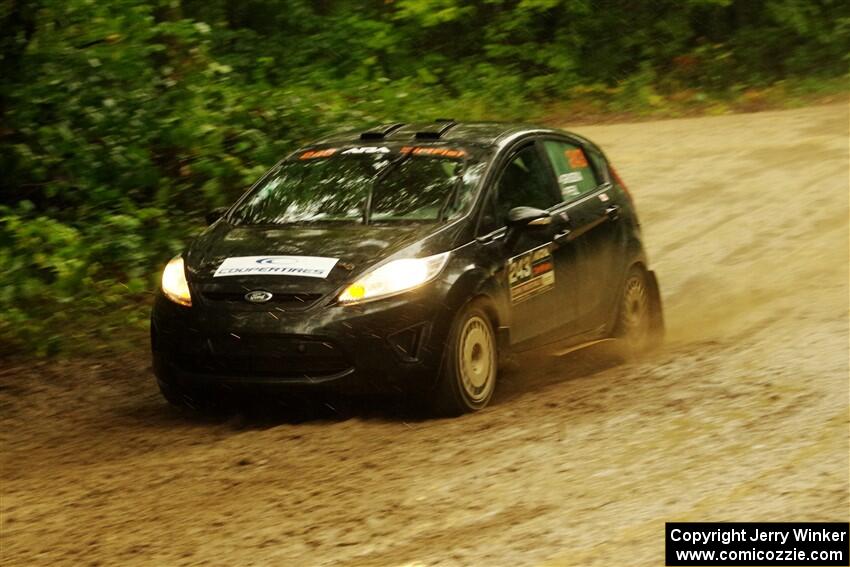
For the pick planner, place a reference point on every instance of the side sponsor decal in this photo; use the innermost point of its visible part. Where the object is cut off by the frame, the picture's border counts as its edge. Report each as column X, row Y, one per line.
column 571, row 177
column 531, row 273
column 305, row 266
column 570, row 191
column 576, row 158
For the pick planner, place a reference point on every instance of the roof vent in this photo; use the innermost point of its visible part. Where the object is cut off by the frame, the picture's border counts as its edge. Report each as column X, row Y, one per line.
column 381, row 132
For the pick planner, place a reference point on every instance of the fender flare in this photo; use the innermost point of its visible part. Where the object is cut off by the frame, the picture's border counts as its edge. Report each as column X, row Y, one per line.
column 477, row 285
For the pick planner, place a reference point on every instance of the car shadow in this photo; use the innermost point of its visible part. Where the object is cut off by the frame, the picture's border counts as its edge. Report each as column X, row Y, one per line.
column 524, row 374
column 259, row 410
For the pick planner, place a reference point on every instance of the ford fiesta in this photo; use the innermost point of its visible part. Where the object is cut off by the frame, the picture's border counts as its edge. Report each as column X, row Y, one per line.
column 410, row 257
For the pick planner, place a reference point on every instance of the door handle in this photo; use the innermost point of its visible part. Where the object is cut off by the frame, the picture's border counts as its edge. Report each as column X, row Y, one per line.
column 562, row 236
column 612, row 212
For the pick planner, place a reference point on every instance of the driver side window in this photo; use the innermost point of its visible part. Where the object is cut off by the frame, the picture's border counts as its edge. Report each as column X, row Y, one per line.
column 524, row 182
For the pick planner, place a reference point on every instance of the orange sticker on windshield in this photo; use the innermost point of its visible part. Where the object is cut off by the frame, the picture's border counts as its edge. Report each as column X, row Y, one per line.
column 576, row 158
column 431, row 151
column 312, row 154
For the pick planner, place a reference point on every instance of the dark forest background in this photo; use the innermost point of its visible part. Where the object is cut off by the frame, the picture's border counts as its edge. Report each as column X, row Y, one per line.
column 123, row 121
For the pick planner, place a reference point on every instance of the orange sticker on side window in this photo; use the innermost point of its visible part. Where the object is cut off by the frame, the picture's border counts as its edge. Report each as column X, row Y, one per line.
column 429, row 151
column 576, row 158
column 312, row 154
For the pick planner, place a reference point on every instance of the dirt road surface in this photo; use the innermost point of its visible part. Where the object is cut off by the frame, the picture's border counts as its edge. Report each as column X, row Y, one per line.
column 742, row 416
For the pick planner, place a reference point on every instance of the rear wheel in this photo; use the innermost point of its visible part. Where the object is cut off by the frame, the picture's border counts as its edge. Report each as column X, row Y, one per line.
column 634, row 327
column 470, row 363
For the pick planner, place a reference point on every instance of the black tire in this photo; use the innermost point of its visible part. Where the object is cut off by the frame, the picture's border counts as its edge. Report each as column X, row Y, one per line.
column 189, row 399
column 635, row 328
column 470, row 363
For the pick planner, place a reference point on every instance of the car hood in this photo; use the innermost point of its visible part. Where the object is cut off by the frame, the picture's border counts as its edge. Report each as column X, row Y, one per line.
column 356, row 247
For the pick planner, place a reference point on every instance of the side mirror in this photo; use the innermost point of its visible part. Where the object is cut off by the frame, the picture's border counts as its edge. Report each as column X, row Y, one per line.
column 215, row 214
column 521, row 217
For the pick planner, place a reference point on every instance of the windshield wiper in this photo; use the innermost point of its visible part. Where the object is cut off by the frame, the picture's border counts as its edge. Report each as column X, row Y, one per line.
column 367, row 208
column 453, row 192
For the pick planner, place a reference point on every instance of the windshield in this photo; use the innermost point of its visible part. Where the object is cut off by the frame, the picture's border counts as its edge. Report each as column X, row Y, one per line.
column 413, row 184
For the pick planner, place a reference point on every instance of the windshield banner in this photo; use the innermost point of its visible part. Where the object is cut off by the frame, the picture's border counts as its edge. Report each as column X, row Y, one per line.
column 307, row 266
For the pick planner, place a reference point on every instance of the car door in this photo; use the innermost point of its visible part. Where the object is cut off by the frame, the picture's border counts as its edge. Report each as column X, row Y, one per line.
column 595, row 227
column 538, row 273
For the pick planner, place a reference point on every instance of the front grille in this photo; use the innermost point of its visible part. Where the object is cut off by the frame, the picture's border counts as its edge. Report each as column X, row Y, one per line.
column 286, row 300
column 282, row 357
column 301, row 367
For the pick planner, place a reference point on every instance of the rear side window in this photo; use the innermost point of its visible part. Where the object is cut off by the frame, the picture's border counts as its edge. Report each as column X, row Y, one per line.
column 575, row 175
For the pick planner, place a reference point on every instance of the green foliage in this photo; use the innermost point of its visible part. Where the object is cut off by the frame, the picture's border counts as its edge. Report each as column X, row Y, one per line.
column 123, row 121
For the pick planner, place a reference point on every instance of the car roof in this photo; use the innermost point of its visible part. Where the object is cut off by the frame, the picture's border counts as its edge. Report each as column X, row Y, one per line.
column 440, row 130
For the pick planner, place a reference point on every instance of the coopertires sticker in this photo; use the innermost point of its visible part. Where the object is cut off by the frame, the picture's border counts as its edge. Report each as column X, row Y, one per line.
column 305, row 266
column 531, row 273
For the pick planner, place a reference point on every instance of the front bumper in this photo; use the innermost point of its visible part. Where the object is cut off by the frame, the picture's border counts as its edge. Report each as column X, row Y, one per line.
column 386, row 345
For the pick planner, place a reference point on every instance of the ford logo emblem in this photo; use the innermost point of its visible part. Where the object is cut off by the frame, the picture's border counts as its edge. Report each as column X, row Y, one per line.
column 258, row 296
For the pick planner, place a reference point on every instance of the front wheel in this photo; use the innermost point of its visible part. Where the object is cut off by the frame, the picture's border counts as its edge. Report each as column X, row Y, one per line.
column 470, row 363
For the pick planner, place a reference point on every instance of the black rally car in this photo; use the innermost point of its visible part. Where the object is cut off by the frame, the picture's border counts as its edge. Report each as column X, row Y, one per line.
column 407, row 257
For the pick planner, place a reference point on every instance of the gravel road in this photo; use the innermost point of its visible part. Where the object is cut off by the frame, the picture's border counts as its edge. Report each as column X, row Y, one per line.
column 742, row 416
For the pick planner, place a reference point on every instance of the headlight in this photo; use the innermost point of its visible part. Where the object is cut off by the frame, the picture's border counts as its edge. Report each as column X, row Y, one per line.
column 394, row 277
column 174, row 284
